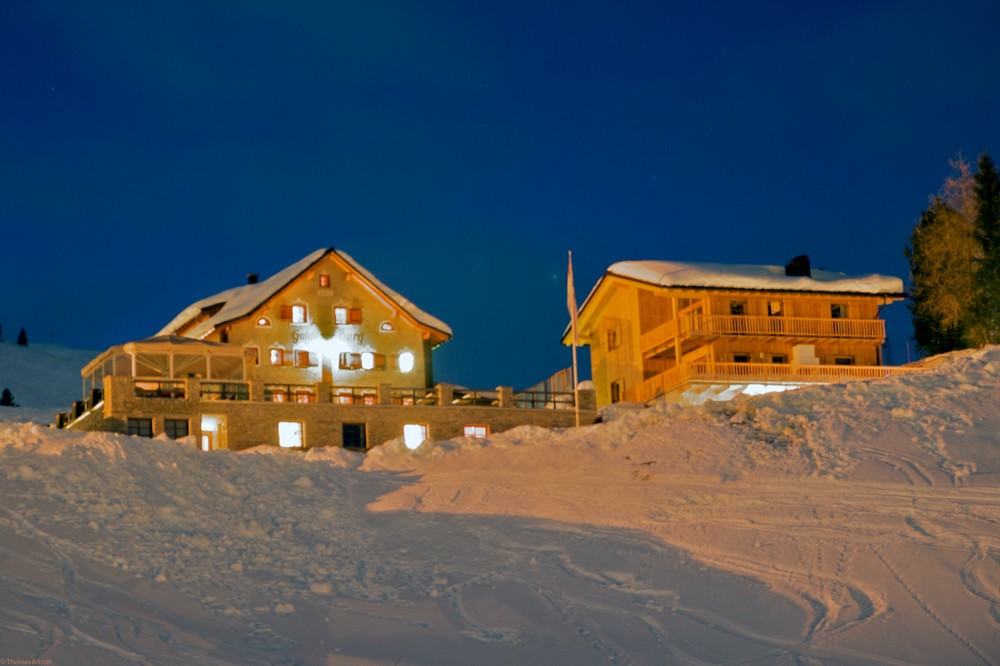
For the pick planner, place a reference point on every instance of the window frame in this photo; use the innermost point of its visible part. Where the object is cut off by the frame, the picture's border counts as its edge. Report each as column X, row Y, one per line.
column 139, row 426
column 300, row 434
column 479, row 430
column 170, row 428
column 361, row 433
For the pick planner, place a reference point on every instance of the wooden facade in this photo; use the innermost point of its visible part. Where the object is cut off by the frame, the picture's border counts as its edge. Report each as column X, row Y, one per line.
column 708, row 331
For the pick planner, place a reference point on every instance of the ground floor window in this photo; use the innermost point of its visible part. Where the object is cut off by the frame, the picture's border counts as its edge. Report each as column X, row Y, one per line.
column 741, row 358
column 479, row 431
column 290, row 434
column 843, row 360
column 175, row 428
column 779, row 358
column 414, row 434
column 140, row 427
column 355, row 436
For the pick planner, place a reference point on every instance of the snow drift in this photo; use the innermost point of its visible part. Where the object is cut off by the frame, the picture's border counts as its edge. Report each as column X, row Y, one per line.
column 850, row 524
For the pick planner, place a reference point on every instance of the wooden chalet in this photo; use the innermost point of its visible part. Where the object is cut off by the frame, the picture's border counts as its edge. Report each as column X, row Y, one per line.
column 696, row 331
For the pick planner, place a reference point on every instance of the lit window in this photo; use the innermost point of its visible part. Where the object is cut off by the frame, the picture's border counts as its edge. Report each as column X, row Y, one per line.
column 372, row 361
column 277, row 356
column 479, row 431
column 414, row 434
column 406, row 361
column 294, row 313
column 263, row 322
column 386, row 327
column 290, row 434
column 324, row 280
column 342, row 316
column 774, row 308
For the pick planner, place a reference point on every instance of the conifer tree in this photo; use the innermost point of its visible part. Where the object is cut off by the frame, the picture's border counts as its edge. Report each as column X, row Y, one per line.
column 22, row 338
column 7, row 399
column 984, row 326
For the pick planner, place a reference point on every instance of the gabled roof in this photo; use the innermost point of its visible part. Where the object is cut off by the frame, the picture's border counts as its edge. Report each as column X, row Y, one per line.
column 202, row 317
column 746, row 276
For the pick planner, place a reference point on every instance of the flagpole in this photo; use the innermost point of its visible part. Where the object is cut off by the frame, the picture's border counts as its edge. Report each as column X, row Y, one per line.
column 571, row 304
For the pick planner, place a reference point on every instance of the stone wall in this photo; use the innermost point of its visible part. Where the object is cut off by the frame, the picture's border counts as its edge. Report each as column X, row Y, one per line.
column 254, row 422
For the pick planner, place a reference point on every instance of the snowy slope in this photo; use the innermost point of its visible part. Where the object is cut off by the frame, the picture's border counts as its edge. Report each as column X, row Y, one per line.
column 43, row 378
column 849, row 524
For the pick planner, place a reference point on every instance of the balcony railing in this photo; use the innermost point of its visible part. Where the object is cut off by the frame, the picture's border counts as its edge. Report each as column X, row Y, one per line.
column 798, row 327
column 793, row 327
column 756, row 373
column 173, row 390
column 289, row 393
column 225, row 391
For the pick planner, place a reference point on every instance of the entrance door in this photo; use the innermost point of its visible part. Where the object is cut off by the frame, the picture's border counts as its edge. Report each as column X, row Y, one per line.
column 213, row 432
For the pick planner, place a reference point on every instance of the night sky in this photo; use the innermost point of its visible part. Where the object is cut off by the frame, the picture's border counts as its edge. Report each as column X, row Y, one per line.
column 154, row 153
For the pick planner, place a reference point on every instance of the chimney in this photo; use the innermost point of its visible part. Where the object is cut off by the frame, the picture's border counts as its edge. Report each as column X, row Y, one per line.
column 798, row 266
column 251, row 278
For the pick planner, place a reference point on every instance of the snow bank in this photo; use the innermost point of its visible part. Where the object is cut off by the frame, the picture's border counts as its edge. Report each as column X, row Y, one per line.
column 852, row 523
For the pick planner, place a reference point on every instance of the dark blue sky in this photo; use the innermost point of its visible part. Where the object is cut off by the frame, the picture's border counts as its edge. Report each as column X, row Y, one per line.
column 153, row 153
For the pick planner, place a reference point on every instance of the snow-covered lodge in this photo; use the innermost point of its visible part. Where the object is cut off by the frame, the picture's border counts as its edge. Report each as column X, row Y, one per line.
column 696, row 331
column 320, row 354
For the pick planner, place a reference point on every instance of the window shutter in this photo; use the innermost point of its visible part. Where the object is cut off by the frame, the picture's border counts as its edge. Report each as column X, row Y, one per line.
column 354, row 316
column 286, row 312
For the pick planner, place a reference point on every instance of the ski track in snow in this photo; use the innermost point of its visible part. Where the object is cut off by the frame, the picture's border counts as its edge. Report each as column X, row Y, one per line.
column 851, row 524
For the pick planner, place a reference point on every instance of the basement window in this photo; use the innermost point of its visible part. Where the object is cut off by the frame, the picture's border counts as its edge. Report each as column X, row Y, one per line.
column 477, row 431
column 354, row 436
column 290, row 434
column 175, row 428
column 140, row 427
column 414, row 434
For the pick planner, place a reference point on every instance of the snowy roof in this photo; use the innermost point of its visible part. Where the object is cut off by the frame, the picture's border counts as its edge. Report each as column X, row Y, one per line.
column 241, row 301
column 746, row 276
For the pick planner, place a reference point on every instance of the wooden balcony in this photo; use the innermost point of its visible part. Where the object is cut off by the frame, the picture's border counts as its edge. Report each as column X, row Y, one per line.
column 756, row 373
column 803, row 328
